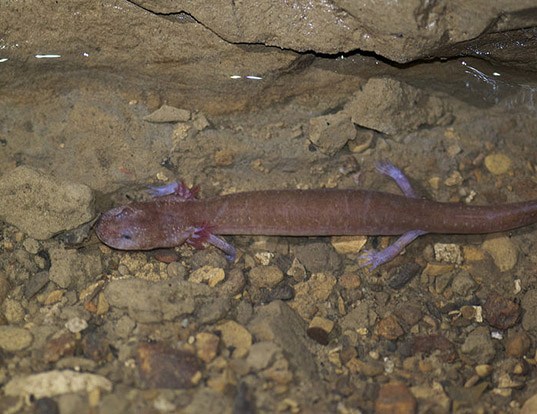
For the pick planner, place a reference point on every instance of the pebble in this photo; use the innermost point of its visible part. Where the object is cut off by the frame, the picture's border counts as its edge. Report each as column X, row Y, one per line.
column 395, row 397
column 14, row 339
column 350, row 281
column 236, row 337
column 200, row 122
column 278, row 323
column 32, row 286
column 71, row 268
column 484, row 370
column 463, row 284
column 155, row 301
column 76, row 325
column 161, row 366
column 206, row 346
column 503, row 251
column 498, row 163
column 124, row 326
column 297, row 270
column 42, row 206
column 58, row 346
column 518, row 344
column 14, row 312
column 310, row 293
column 319, row 330
column 390, row 328
column 57, row 382
column 318, row 257
column 167, row 113
column 207, row 274
column 262, row 355
column 403, row 275
column 448, row 253
column 478, row 346
column 530, row 405
column 501, row 312
column 399, row 107
column 265, row 276
column 331, row 132
column 176, row 269
column 348, row 244
column 529, row 311
column 31, row 245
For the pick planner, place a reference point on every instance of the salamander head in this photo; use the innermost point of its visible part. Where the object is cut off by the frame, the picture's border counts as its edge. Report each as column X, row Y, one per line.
column 126, row 228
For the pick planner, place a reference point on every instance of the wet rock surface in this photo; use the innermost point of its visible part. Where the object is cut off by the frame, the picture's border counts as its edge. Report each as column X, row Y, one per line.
column 151, row 92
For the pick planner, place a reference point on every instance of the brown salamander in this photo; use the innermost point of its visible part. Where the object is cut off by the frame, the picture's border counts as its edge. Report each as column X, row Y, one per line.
column 176, row 216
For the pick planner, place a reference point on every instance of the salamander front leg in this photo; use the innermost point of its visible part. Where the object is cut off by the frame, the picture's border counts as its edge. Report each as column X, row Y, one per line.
column 177, row 189
column 373, row 258
column 398, row 176
column 201, row 235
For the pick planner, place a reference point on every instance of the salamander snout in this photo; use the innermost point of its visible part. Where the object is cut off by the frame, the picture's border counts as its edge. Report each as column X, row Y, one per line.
column 119, row 228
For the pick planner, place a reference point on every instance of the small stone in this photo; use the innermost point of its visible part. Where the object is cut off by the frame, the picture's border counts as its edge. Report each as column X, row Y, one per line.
column 517, row 344
column 42, row 206
column 483, row 370
column 13, row 311
column 454, row 179
column 310, row 293
column 52, row 383
column 463, row 284
column 52, row 297
column 350, row 281
column 60, row 345
column 348, row 244
column 530, row 406
column 395, row 397
column 200, row 122
column 448, row 252
column 32, row 286
column 265, row 276
column 206, row 346
column 297, row 270
column 262, row 355
column 31, row 245
column 207, row 274
column 71, row 268
column 529, row 310
column 168, row 113
column 14, row 339
column 498, row 163
column 367, row 368
column 331, row 132
column 76, row 325
column 503, row 252
column 163, row 367
column 478, row 346
column 319, row 329
column 224, row 158
column 500, row 312
column 124, row 326
column 390, row 328
column 317, row 257
column 176, row 269
column 237, row 337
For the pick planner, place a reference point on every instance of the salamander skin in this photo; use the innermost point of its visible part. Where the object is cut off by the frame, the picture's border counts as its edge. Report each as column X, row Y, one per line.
column 172, row 219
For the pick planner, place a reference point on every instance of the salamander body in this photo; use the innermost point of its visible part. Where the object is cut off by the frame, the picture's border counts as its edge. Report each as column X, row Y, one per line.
column 178, row 217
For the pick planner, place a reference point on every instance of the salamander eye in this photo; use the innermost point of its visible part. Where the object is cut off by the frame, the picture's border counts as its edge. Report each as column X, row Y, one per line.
column 126, row 236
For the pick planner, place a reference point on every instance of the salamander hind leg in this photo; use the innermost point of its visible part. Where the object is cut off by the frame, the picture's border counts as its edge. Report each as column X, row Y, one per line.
column 386, row 168
column 373, row 259
column 202, row 235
